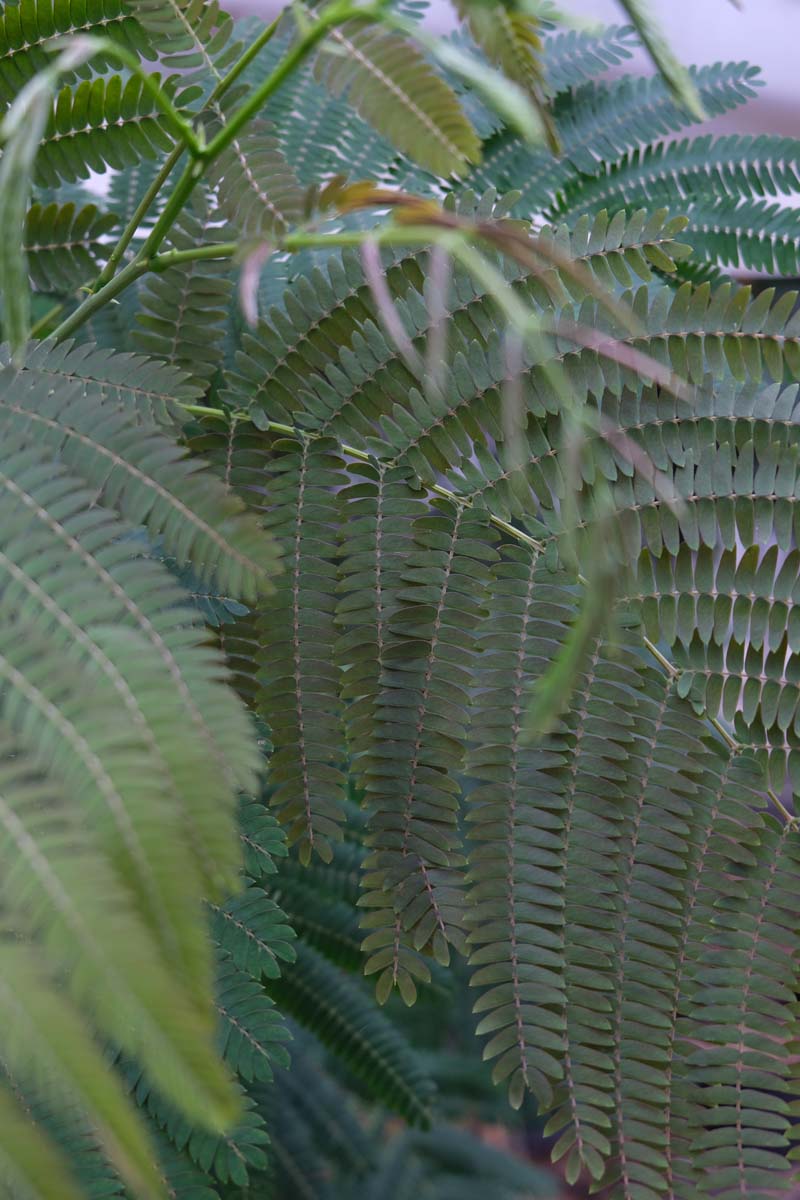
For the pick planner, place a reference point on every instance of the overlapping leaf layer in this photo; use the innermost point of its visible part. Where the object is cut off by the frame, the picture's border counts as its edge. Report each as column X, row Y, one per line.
column 623, row 884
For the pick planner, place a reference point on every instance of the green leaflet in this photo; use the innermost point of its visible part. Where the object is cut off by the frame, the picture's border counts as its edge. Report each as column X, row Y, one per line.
column 370, row 377
column 16, row 169
column 64, row 246
column 70, row 1132
column 293, row 485
column 300, row 703
column 345, row 1019
column 221, row 1159
column 751, row 1126
column 192, row 35
column 258, row 191
column 571, row 56
column 389, row 83
column 730, row 624
column 147, row 388
column 603, row 121
column 250, row 1029
column 148, row 477
column 754, row 232
column 420, row 712
column 27, row 27
column 104, row 123
column 183, row 311
column 252, row 929
column 732, row 167
column 512, row 40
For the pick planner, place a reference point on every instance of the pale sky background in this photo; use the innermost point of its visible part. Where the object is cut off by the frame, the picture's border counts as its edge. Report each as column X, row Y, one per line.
column 764, row 32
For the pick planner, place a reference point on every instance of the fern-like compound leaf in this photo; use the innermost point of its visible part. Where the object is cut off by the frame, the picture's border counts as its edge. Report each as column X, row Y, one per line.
column 192, row 36
column 63, row 892
column 71, row 1132
column 679, row 172
column 301, row 703
column 573, row 56
column 419, row 722
column 262, row 840
column 621, row 886
column 251, row 1030
column 752, row 233
column 136, row 468
column 258, row 190
column 104, row 123
column 152, row 390
column 253, row 930
column 390, row 84
column 26, row 29
column 228, row 1157
column 65, row 246
column 29, row 1161
column 320, row 997
column 601, row 122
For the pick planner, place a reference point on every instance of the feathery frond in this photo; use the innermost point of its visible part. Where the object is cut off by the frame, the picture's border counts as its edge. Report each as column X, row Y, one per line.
column 137, row 469
column 573, row 56
column 105, row 123
column 389, row 83
column 342, row 1015
column 65, row 246
column 27, row 27
column 192, row 36
column 678, row 172
column 437, row 451
column 600, row 122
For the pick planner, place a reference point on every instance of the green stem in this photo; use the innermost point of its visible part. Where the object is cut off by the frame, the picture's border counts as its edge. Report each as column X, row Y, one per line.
column 188, row 180
column 203, row 410
column 131, row 229
column 394, row 235
column 98, row 300
column 364, row 456
column 129, row 274
column 242, row 63
column 172, row 209
column 336, row 14
column 149, row 259
column 173, row 258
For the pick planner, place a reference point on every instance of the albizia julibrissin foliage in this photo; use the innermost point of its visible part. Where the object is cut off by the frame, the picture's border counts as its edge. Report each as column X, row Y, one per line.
column 446, row 611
